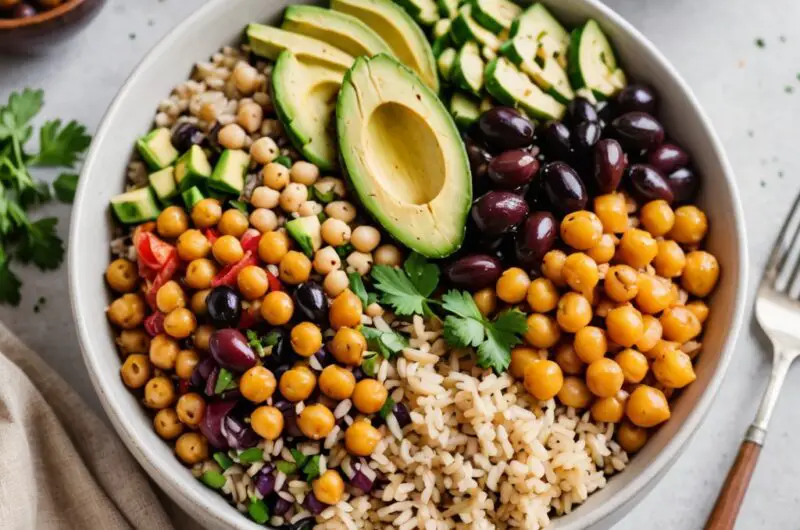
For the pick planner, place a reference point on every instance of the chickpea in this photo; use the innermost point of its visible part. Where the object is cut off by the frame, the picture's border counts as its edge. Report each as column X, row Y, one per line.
column 652, row 333
column 512, row 286
column 634, row 365
column 608, row 410
column 335, row 232
column 680, row 324
column 265, row 197
column 701, row 273
column 670, row 260
column 361, row 438
column 365, row 238
column 348, row 346
column 336, row 382
column 604, row 250
column 277, row 308
column 185, row 363
column 691, row 225
column 172, row 222
column 700, row 310
column 613, row 212
column 345, row 310
column 542, row 295
column 267, row 422
column 304, row 173
column 167, row 425
column 552, row 266
column 568, row 360
column 647, row 407
column 374, row 310
column 621, row 283
column 245, row 77
column 252, row 282
column 202, row 337
column 630, row 437
column 543, row 379
column 574, row 393
column 590, row 344
column 180, row 323
column 657, row 217
column 331, row 185
column 369, row 396
column 170, row 297
column 227, row 250
column 359, row 262
column 294, row 268
column 206, row 213
column 233, row 223
column 132, row 341
column 135, row 371
column 127, row 311
column 341, row 211
column 543, row 331
column 192, row 448
column 200, row 273
column 624, row 325
column 674, row 369
column 197, row 303
column 163, row 352
column 273, row 247
column 521, row 358
column 309, row 208
column 316, row 421
column 661, row 348
column 257, row 384
column 486, row 301
column 574, row 312
column 192, row 245
column 275, row 176
column 580, row 272
column 329, row 488
column 159, row 393
column 249, row 116
column 637, row 248
column 388, row 255
column 297, row 384
column 604, row 377
column 326, row 260
column 335, row 282
column 655, row 294
column 232, row 136
column 191, row 409
column 122, row 276
column 581, row 230
column 306, row 339
column 292, row 196
column 264, row 150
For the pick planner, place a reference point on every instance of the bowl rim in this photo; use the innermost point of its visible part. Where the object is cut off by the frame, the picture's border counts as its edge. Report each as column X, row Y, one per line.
column 44, row 16
column 628, row 494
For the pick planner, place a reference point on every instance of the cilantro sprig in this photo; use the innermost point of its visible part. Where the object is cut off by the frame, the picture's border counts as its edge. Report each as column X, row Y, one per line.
column 60, row 145
column 408, row 290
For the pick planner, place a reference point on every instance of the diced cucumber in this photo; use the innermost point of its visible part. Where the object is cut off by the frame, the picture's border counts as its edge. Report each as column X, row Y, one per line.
column 445, row 62
column 592, row 63
column 230, row 171
column 426, row 12
column 512, row 87
column 441, row 28
column 467, row 71
column 495, row 15
column 156, row 148
column 464, row 28
column 529, row 55
column 447, row 8
column 465, row 109
column 192, row 196
column 135, row 206
column 307, row 232
column 537, row 22
column 192, row 169
column 163, row 184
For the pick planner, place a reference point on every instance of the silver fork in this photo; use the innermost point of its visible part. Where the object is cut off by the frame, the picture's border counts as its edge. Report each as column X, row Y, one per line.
column 777, row 310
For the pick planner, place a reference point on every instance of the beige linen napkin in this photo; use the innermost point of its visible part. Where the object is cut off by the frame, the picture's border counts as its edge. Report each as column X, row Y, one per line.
column 60, row 466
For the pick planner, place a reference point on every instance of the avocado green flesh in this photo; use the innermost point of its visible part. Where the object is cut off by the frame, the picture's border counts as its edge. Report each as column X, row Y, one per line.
column 135, row 206
column 163, row 183
column 156, row 148
column 230, row 171
column 338, row 29
column 404, row 156
column 269, row 42
column 400, row 32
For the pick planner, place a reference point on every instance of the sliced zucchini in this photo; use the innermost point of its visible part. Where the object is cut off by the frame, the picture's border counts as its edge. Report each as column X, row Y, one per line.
column 135, row 206
column 495, row 15
column 592, row 63
column 163, row 184
column 530, row 56
column 467, row 71
column 440, row 45
column 192, row 196
column 488, row 54
column 465, row 109
column 441, row 28
column 539, row 23
column 447, row 8
column 464, row 28
column 426, row 12
column 513, row 88
column 445, row 62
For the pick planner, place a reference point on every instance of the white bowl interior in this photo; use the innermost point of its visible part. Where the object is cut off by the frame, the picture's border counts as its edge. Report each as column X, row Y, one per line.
column 222, row 21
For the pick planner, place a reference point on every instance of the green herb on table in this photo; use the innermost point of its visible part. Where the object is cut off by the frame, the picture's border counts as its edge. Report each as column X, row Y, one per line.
column 760, row 42
column 408, row 290
column 22, row 238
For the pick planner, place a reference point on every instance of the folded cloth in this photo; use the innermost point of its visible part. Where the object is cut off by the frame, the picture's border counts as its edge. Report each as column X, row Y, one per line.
column 61, row 466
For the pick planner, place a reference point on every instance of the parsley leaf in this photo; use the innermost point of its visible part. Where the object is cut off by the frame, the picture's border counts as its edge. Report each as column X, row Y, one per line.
column 387, row 408
column 255, row 342
column 311, row 468
column 225, row 382
column 399, row 291
column 21, row 108
column 41, row 245
column 9, row 283
column 357, row 286
column 387, row 343
column 369, row 364
column 61, row 146
column 65, row 185
column 424, row 275
column 502, row 335
column 299, row 457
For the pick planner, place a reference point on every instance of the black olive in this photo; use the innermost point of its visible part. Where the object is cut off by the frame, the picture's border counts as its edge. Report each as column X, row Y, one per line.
column 224, row 307
column 280, row 353
column 185, row 135
column 23, row 11
column 505, row 128
column 311, row 302
column 581, row 110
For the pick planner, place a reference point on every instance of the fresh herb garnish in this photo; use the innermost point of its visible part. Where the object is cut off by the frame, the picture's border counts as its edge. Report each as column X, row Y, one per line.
column 357, row 286
column 65, row 186
column 299, row 457
column 322, row 196
column 345, row 250
column 408, row 290
column 287, row 468
column 492, row 339
column 213, row 479
column 225, row 381
column 258, row 510
column 223, row 460
column 387, row 343
column 239, row 205
column 248, row 456
column 387, row 408
column 369, row 364
column 283, row 160
column 311, row 468
column 260, row 343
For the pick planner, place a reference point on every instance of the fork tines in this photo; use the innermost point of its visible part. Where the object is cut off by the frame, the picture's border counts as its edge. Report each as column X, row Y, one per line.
column 784, row 263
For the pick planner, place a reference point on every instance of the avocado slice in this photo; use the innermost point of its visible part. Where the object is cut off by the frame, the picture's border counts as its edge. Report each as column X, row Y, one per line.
column 304, row 95
column 269, row 42
column 512, row 87
column 592, row 63
column 399, row 30
column 404, row 156
column 163, row 184
column 192, row 168
column 338, row 29
column 230, row 171
column 156, row 148
column 307, row 232
column 192, row 196
column 532, row 58
column 135, row 206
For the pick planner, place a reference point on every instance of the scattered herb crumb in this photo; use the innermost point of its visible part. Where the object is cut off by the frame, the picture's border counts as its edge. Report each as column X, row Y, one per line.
column 751, row 133
column 782, row 38
column 132, row 36
column 798, row 76
column 151, row 22
column 760, row 42
column 788, row 89
column 763, row 184
column 780, row 174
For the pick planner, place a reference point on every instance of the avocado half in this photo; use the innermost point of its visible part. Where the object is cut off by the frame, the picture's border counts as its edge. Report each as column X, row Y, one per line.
column 403, row 155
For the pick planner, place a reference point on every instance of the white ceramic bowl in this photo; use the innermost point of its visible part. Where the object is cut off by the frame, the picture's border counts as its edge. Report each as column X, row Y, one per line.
column 221, row 22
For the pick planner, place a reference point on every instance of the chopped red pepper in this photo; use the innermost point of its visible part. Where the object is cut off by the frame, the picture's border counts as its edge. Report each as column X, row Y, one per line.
column 248, row 319
column 274, row 282
column 250, row 240
column 154, row 324
column 152, row 251
column 164, row 275
column 211, row 234
column 227, row 276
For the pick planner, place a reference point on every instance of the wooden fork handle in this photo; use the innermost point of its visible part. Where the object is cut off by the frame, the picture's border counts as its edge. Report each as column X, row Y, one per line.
column 732, row 493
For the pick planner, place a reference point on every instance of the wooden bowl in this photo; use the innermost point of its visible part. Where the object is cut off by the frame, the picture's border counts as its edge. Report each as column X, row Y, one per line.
column 40, row 33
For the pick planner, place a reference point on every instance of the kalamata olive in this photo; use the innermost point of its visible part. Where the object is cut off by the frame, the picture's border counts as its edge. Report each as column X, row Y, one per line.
column 537, row 237
column 607, row 111
column 557, row 139
column 281, row 352
column 684, row 184
column 668, row 158
column 474, row 271
column 499, row 212
column 648, row 184
column 580, row 110
column 231, row 350
column 639, row 98
column 638, row 130
column 311, row 302
column 505, row 128
column 609, row 165
column 479, row 158
column 585, row 136
column 513, row 169
column 563, row 187
column 185, row 135
column 23, row 11
column 224, row 307
column 212, row 139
